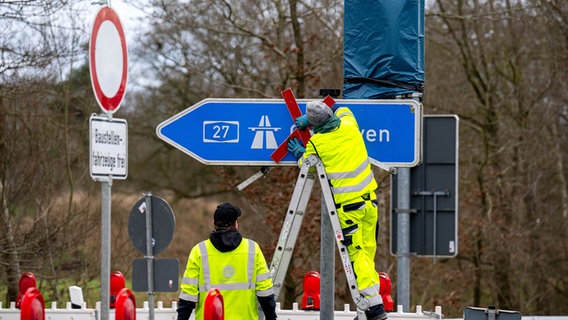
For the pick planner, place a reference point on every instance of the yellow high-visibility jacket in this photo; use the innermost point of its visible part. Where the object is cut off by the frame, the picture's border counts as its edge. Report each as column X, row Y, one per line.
column 345, row 158
column 240, row 275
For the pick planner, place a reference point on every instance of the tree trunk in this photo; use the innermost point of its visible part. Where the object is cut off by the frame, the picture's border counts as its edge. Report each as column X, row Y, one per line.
column 9, row 252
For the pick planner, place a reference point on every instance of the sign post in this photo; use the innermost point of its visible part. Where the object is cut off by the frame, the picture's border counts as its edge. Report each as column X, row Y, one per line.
column 151, row 228
column 108, row 65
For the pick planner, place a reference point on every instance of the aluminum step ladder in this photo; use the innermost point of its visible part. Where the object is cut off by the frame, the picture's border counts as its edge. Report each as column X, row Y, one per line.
column 312, row 167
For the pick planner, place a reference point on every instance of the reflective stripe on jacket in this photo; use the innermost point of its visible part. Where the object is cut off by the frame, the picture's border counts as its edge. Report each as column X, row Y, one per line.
column 241, row 275
column 345, row 158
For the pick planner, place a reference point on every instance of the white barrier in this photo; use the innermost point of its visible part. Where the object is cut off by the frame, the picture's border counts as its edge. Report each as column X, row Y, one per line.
column 161, row 313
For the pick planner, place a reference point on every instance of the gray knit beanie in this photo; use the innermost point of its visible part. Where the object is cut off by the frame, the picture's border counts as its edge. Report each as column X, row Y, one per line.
column 317, row 112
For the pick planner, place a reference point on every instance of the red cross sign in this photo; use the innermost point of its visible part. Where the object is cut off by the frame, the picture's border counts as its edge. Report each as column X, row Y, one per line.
column 295, row 112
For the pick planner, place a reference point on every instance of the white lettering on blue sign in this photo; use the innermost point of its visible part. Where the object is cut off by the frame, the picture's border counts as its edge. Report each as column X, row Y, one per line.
column 371, row 135
column 221, row 131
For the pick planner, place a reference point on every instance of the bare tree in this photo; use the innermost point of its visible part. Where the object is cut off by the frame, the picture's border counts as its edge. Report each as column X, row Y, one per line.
column 499, row 85
column 43, row 143
column 248, row 49
column 43, row 149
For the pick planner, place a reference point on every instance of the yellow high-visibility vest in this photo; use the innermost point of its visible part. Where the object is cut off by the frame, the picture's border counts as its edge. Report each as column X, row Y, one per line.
column 240, row 275
column 344, row 157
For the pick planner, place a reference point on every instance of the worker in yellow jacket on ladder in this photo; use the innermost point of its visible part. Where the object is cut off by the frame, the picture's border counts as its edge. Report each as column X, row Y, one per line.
column 338, row 142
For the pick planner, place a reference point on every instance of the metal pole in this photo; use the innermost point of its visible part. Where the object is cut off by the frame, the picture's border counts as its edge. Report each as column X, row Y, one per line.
column 403, row 239
column 327, row 248
column 105, row 247
column 106, row 186
column 149, row 254
column 327, row 265
column 403, row 232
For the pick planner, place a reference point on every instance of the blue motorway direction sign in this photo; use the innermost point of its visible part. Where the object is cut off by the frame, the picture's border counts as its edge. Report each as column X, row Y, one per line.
column 247, row 131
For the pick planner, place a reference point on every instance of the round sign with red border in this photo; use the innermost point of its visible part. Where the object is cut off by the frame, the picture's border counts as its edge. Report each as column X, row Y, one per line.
column 108, row 60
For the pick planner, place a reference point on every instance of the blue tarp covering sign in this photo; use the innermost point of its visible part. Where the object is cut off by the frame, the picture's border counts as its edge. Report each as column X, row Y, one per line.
column 384, row 48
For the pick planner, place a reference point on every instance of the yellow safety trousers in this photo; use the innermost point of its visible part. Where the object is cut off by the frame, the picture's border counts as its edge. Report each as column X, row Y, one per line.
column 360, row 230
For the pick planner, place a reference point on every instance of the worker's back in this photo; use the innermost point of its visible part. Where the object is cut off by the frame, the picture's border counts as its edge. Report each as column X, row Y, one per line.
column 345, row 158
column 233, row 273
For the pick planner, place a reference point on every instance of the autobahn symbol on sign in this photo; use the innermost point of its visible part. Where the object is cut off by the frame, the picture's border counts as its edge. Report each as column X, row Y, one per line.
column 247, row 131
column 264, row 135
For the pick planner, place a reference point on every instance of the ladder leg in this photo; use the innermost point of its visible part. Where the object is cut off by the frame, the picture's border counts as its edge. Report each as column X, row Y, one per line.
column 290, row 229
column 361, row 303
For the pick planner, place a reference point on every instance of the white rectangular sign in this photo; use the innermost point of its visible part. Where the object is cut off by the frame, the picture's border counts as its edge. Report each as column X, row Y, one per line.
column 108, row 152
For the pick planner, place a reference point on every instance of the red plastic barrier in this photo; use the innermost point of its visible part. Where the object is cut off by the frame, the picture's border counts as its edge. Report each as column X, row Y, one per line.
column 214, row 306
column 125, row 305
column 27, row 280
column 32, row 306
column 117, row 283
column 311, row 285
column 385, row 291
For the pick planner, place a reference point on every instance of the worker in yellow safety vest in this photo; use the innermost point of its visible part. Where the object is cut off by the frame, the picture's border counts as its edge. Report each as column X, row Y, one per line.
column 232, row 264
column 338, row 142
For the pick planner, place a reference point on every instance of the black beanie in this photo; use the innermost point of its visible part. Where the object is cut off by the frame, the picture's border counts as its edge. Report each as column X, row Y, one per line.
column 226, row 214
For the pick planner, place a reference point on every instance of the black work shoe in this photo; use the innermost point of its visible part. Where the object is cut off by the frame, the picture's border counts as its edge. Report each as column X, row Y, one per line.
column 382, row 316
column 376, row 313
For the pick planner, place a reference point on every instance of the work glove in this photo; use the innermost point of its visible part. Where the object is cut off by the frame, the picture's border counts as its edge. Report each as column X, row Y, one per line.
column 302, row 122
column 296, row 148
